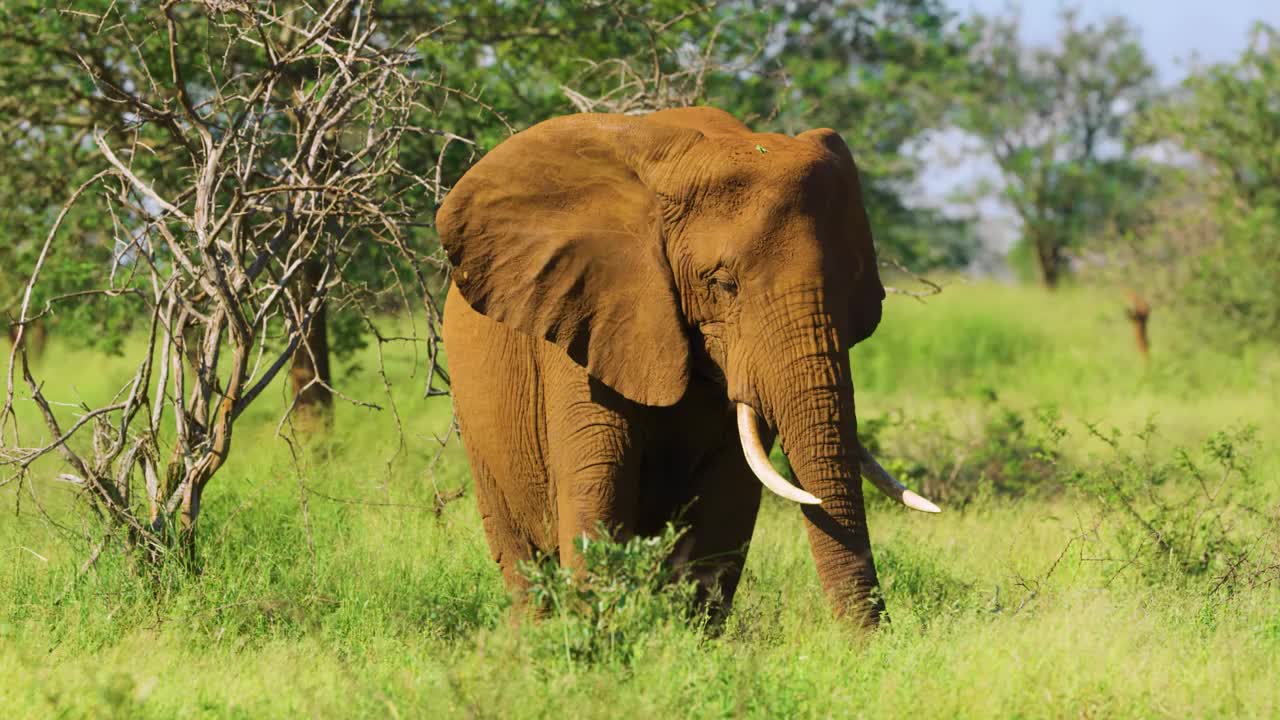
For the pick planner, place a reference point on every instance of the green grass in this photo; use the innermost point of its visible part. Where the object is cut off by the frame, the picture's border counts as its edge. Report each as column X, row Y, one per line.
column 312, row 604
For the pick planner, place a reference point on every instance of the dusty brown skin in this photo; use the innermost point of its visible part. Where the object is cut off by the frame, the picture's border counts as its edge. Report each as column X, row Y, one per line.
column 620, row 283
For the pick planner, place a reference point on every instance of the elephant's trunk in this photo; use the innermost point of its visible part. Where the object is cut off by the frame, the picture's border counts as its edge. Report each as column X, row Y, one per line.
column 818, row 430
column 810, row 401
column 808, row 398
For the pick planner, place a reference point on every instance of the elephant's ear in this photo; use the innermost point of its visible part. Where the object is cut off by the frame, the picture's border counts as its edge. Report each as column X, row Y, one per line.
column 868, row 292
column 558, row 233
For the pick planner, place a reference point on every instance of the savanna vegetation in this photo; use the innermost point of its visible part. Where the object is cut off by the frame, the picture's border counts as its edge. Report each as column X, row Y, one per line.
column 1110, row 541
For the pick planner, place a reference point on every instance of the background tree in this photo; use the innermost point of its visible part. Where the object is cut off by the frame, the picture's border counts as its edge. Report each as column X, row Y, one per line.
column 91, row 67
column 1056, row 123
column 1228, row 116
column 873, row 71
column 1210, row 241
column 49, row 104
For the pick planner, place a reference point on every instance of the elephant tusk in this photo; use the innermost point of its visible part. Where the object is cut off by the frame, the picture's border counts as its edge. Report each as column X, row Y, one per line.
column 885, row 483
column 758, row 460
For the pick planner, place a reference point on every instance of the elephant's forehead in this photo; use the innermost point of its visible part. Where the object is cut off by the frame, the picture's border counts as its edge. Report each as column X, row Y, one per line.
column 768, row 167
column 771, row 214
column 767, row 235
column 784, row 188
column 768, row 154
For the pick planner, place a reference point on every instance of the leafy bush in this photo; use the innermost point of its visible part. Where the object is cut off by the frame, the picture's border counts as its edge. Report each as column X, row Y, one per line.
column 1212, row 260
column 1008, row 454
column 1180, row 518
column 1166, row 516
column 1233, row 285
column 604, row 613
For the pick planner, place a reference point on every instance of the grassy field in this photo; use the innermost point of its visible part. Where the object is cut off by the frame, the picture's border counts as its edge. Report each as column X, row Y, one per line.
column 337, row 591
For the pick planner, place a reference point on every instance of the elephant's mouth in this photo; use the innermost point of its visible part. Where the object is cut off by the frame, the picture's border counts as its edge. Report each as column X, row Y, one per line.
column 870, row 468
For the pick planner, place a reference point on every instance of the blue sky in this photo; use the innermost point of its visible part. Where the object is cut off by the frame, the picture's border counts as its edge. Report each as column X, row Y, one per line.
column 1175, row 33
column 1172, row 30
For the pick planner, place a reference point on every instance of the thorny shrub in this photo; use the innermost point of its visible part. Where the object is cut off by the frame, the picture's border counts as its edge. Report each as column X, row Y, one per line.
column 1168, row 518
column 1164, row 516
column 1180, row 517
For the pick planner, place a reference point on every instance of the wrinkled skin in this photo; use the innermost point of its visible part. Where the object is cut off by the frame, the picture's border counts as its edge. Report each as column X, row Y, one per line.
column 621, row 283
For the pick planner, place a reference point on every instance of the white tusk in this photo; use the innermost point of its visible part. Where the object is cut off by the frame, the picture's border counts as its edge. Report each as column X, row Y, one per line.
column 886, row 484
column 758, row 459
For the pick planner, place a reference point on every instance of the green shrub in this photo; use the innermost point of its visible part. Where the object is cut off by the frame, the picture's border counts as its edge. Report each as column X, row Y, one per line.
column 1166, row 515
column 1233, row 285
column 1178, row 518
column 1008, row 453
column 625, row 592
column 1210, row 244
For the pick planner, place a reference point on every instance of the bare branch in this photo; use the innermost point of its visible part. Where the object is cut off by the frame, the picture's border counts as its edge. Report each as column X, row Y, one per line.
column 920, row 295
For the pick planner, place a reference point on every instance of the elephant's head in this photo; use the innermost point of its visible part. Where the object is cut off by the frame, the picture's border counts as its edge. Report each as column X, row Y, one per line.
column 681, row 243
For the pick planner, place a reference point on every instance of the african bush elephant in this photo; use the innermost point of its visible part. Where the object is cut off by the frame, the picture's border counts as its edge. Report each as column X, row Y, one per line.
column 639, row 304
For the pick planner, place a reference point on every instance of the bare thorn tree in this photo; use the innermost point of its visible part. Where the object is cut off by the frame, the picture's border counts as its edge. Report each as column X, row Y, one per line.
column 286, row 175
column 664, row 77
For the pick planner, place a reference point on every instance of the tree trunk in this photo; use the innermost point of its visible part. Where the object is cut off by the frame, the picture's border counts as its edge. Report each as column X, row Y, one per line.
column 189, row 520
column 313, row 400
column 1047, row 252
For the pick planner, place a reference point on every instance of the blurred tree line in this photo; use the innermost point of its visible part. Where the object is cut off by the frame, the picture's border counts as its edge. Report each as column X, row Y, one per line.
column 1083, row 138
column 1209, row 241
column 1056, row 123
column 1172, row 192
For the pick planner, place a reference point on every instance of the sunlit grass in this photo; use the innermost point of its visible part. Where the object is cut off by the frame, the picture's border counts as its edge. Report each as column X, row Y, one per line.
column 369, row 603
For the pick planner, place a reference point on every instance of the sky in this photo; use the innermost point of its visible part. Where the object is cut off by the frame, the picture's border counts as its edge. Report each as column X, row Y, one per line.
column 1173, row 31
column 1177, row 34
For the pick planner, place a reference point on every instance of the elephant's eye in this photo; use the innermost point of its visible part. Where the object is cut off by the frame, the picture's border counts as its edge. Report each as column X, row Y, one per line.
column 722, row 284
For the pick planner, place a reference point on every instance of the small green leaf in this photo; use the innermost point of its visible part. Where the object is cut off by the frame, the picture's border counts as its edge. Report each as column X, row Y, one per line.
column 761, row 149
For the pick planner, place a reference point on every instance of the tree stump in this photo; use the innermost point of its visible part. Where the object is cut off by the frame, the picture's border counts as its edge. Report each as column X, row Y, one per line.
column 1139, row 311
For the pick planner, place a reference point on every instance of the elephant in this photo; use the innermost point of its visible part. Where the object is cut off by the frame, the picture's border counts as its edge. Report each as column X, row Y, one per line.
column 639, row 306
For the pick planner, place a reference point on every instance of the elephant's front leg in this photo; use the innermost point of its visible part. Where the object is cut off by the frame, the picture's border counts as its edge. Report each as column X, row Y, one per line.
column 594, row 465
column 720, row 523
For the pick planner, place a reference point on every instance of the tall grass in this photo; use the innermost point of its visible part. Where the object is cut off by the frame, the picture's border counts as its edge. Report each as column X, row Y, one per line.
column 1072, row 348
column 337, row 590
